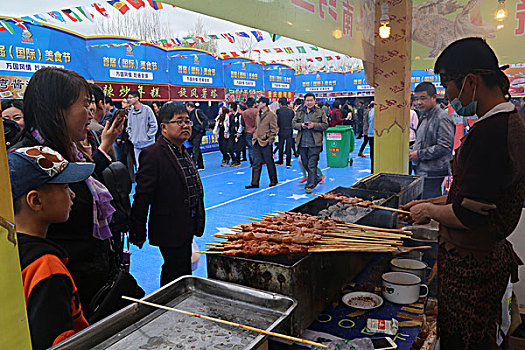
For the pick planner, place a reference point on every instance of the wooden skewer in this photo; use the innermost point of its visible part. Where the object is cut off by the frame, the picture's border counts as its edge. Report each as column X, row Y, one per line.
column 373, row 228
column 218, row 320
column 256, row 219
column 390, row 209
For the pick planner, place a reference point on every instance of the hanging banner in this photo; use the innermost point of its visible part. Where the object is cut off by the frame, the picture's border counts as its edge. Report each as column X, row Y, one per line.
column 436, row 25
column 13, row 87
column 196, row 93
column 147, row 92
column 242, row 94
column 336, row 25
column 425, row 75
column 355, row 82
column 194, row 67
column 137, row 64
column 243, row 73
column 275, row 95
column 279, row 77
column 320, row 82
column 27, row 50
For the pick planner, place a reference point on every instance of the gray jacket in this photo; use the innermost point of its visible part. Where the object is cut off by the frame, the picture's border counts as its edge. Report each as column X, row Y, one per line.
column 434, row 143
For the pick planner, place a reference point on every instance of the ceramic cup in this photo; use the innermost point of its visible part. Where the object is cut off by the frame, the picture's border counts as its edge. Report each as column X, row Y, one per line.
column 402, row 287
column 414, row 254
column 416, row 267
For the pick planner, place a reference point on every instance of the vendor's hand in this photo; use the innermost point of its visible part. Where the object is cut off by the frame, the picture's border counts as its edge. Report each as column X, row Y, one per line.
column 420, row 213
column 110, row 133
column 310, row 125
column 412, row 155
column 407, row 217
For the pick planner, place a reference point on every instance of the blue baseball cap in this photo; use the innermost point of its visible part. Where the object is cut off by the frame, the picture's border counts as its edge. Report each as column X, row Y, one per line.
column 31, row 167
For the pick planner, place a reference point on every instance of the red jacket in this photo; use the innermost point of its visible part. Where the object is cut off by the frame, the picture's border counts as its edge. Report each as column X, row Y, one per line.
column 337, row 117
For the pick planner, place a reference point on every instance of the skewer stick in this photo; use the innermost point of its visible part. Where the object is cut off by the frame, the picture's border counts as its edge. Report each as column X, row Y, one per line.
column 256, row 219
column 373, row 228
column 218, row 320
column 390, row 209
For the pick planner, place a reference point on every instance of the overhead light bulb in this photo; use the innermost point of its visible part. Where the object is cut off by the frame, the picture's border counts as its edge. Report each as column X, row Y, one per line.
column 384, row 28
column 384, row 31
column 501, row 13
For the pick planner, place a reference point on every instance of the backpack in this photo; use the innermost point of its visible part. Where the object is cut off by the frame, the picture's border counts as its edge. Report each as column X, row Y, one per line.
column 118, row 182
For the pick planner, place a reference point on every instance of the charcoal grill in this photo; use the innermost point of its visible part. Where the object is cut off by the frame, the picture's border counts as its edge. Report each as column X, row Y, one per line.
column 405, row 187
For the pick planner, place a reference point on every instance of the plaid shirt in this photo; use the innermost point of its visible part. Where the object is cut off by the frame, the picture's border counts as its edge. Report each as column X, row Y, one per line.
column 191, row 176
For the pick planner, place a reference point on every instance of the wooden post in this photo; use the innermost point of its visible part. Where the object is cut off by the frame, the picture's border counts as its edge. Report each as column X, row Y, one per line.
column 391, row 79
column 14, row 329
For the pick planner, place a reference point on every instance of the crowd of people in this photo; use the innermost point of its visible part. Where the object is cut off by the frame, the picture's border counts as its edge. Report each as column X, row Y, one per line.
column 73, row 155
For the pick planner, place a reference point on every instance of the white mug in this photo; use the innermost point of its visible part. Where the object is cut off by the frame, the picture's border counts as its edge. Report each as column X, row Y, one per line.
column 402, row 287
column 416, row 267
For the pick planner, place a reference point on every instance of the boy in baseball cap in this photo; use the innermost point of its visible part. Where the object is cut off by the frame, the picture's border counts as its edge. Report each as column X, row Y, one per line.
column 41, row 195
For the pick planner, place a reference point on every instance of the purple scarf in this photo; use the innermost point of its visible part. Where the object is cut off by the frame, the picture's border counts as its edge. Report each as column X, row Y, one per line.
column 102, row 208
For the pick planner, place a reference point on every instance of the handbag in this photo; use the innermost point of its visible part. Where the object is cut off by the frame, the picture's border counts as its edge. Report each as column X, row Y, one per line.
column 109, row 298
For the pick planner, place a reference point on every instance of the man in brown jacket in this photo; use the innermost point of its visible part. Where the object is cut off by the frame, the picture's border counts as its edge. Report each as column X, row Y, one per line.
column 265, row 131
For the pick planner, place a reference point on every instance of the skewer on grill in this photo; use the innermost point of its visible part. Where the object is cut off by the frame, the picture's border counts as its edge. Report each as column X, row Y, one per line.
column 375, row 206
column 218, row 320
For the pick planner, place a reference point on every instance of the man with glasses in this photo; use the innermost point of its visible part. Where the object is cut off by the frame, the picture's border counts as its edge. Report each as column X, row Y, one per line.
column 432, row 151
column 168, row 184
column 142, row 124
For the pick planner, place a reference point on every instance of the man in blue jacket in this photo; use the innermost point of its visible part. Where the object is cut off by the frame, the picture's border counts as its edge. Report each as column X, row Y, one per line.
column 142, row 124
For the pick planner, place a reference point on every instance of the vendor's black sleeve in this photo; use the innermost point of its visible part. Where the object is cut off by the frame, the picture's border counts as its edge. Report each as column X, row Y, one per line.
column 49, row 310
column 485, row 171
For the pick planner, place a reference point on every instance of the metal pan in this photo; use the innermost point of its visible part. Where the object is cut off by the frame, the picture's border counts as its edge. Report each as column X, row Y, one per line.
column 142, row 327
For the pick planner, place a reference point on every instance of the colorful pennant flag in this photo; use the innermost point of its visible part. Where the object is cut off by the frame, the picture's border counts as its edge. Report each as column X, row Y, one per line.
column 242, row 34
column 100, row 9
column 213, row 36
column 201, row 39
column 278, row 50
column 57, row 16
column 189, row 40
column 157, row 5
column 301, row 49
column 274, row 37
column 314, row 48
column 288, row 50
column 71, row 15
column 40, row 17
column 119, row 5
column 258, row 35
column 177, row 42
column 137, row 3
column 228, row 36
column 267, row 50
column 85, row 12
column 20, row 24
column 4, row 26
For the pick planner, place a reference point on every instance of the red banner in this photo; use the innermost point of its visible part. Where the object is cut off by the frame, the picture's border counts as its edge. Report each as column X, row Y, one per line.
column 196, row 93
column 148, row 92
column 274, row 95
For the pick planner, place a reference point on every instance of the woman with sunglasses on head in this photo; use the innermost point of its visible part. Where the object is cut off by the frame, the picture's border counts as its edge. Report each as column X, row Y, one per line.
column 476, row 263
column 56, row 113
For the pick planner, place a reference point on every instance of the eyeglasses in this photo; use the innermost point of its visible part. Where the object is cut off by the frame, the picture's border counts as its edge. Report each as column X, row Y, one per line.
column 180, row 122
column 130, row 97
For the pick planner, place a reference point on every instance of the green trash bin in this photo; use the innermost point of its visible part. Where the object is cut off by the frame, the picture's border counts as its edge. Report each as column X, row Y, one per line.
column 340, row 142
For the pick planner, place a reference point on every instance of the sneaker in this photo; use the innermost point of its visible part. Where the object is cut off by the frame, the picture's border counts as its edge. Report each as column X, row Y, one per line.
column 200, row 169
column 278, row 163
column 272, row 184
column 224, row 163
column 251, row 186
column 303, row 180
column 236, row 164
column 308, row 190
column 322, row 179
column 288, row 166
column 360, row 154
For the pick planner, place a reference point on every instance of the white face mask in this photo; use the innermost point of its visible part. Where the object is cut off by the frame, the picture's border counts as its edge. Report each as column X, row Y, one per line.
column 468, row 110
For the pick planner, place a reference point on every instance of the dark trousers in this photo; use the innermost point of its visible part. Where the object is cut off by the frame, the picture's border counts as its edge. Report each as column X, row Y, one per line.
column 223, row 147
column 365, row 141
column 242, row 151
column 371, row 142
column 177, row 262
column 432, row 186
column 285, row 138
column 249, row 145
column 234, row 149
column 196, row 148
column 310, row 159
column 263, row 155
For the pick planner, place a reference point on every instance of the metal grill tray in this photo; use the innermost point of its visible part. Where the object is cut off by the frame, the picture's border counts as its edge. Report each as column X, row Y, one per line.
column 143, row 327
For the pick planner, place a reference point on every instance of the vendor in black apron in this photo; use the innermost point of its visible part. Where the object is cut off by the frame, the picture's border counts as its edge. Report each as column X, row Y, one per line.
column 475, row 260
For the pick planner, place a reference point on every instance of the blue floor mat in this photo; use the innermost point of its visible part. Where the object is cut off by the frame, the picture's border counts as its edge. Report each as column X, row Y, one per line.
column 228, row 203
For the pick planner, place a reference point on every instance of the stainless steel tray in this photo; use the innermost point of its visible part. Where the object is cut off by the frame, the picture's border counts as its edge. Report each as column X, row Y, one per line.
column 142, row 327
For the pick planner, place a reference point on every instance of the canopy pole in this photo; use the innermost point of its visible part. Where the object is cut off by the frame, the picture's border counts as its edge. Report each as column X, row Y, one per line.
column 391, row 72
